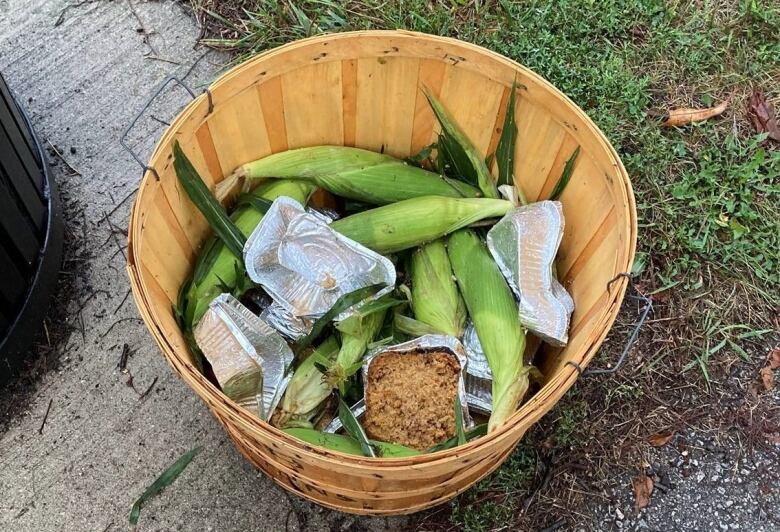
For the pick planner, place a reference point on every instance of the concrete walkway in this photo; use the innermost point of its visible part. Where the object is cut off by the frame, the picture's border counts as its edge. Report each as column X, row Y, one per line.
column 83, row 73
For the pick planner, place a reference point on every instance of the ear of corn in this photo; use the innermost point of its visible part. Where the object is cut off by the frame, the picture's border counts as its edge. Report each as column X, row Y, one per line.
column 347, row 445
column 219, row 270
column 492, row 307
column 412, row 222
column 461, row 150
column 356, row 334
column 435, row 297
column 307, row 389
column 355, row 174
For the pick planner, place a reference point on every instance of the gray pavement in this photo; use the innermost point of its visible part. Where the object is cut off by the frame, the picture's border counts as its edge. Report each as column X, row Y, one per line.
column 83, row 74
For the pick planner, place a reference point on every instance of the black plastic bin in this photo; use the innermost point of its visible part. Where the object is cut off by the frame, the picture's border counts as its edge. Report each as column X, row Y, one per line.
column 30, row 236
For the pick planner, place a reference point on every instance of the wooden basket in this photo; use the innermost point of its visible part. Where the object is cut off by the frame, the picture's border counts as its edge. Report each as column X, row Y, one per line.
column 363, row 89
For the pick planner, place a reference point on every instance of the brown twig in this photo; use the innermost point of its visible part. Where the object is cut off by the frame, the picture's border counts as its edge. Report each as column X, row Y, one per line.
column 142, row 29
column 60, row 156
column 163, row 59
column 149, row 389
column 45, row 417
column 123, row 301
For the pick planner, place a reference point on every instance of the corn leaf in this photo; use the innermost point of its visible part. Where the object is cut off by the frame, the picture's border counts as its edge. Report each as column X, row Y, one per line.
column 354, row 323
column 459, row 151
column 163, row 481
column 505, row 151
column 206, row 203
column 261, row 204
column 568, row 169
column 460, row 432
column 353, row 428
column 342, row 304
column 412, row 327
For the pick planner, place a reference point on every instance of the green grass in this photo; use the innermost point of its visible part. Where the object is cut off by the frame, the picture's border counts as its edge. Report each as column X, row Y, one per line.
column 708, row 195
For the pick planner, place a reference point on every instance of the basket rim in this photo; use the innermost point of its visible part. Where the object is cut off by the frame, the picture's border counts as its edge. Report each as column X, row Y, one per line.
column 553, row 390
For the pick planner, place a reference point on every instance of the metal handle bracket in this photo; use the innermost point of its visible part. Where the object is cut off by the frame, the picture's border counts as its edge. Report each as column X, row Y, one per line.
column 123, row 139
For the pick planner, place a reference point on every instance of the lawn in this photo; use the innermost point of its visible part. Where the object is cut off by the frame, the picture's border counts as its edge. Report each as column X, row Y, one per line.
column 708, row 197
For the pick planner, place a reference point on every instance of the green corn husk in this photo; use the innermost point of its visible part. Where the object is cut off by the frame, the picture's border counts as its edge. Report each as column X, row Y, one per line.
column 218, row 270
column 436, row 300
column 493, row 309
column 347, row 445
column 412, row 222
column 307, row 389
column 459, row 151
column 356, row 333
column 355, row 174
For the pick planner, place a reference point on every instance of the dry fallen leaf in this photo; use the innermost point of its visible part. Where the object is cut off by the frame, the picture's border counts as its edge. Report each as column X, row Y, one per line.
column 643, row 489
column 767, row 378
column 680, row 117
column 773, row 359
column 763, row 117
column 660, row 439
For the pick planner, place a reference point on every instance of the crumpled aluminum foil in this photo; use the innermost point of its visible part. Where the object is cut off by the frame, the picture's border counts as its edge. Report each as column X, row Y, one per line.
column 328, row 216
column 305, row 265
column 291, row 327
column 479, row 378
column 524, row 244
column 249, row 358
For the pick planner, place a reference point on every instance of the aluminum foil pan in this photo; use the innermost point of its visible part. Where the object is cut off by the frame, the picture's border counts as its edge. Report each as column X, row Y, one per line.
column 249, row 358
column 305, row 265
column 524, row 244
column 478, row 378
column 292, row 327
column 429, row 342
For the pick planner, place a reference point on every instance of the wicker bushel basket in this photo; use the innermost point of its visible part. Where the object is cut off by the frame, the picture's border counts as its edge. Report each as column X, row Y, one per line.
column 363, row 89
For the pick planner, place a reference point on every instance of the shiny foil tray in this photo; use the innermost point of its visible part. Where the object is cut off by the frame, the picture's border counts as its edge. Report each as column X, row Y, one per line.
column 305, row 265
column 524, row 244
column 249, row 358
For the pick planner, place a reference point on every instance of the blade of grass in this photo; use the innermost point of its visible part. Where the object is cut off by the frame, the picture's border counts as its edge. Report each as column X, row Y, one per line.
column 568, row 169
column 353, row 428
column 206, row 203
column 163, row 481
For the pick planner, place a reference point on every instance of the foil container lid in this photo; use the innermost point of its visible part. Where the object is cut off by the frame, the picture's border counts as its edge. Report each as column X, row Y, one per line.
column 239, row 345
column 305, row 265
column 524, row 244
